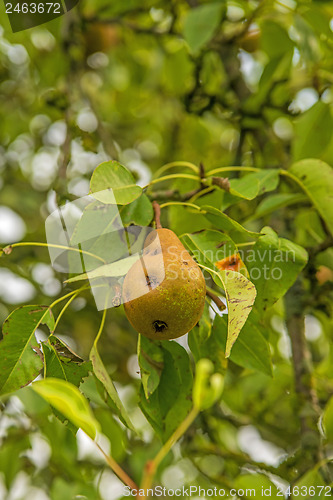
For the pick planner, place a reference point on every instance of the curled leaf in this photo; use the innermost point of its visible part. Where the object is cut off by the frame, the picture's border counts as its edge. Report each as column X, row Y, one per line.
column 68, row 400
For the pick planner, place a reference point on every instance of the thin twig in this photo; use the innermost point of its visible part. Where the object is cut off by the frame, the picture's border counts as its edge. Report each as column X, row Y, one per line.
column 66, row 150
column 105, row 134
column 8, row 249
column 216, row 299
column 152, row 465
column 118, row 470
column 202, row 175
column 239, row 150
column 157, row 212
column 222, row 183
column 64, row 309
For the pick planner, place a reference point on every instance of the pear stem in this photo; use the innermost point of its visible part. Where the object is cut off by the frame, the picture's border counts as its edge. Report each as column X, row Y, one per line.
column 157, row 212
column 216, row 299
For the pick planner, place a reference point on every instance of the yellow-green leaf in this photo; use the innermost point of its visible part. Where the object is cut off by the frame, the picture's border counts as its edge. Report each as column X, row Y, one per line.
column 316, row 179
column 113, row 270
column 240, row 294
column 68, row 400
column 114, row 184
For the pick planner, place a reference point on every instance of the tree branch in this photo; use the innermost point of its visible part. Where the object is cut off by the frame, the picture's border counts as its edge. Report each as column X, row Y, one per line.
column 66, row 151
column 157, row 212
column 324, row 245
column 308, row 407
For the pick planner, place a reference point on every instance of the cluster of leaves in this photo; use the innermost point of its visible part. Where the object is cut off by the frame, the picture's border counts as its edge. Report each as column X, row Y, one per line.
column 166, row 372
column 90, row 93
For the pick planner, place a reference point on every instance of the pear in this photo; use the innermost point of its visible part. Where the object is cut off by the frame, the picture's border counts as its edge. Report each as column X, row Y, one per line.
column 164, row 292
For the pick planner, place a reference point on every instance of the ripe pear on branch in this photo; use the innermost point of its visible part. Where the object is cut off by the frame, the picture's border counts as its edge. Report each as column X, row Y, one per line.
column 164, row 291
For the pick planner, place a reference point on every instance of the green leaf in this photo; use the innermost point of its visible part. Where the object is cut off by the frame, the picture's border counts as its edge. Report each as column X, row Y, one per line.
column 95, row 392
column 13, row 446
column 308, row 42
column 325, row 258
column 178, row 405
column 222, row 221
column 62, row 440
column 251, row 350
column 111, row 175
column 274, row 39
column 209, row 247
column 274, row 70
column 258, row 485
column 34, row 405
column 20, row 360
column 319, row 20
column 316, row 179
column 328, row 420
column 311, row 478
column 113, row 270
column 150, row 357
column 313, row 132
column 274, row 264
column 200, row 24
column 204, row 328
column 68, row 400
column 61, row 362
column 309, row 228
column 102, row 374
column 114, row 432
column 97, row 219
column 205, row 344
column 101, row 232
column 139, row 212
column 252, row 185
column 170, row 403
column 240, row 292
column 176, row 72
column 276, row 201
column 62, row 490
column 93, row 389
column 185, row 219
